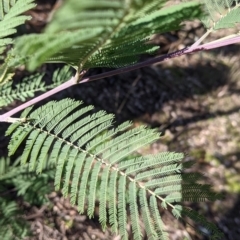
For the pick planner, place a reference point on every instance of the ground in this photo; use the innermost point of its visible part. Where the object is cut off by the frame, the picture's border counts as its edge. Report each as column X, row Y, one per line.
column 192, row 100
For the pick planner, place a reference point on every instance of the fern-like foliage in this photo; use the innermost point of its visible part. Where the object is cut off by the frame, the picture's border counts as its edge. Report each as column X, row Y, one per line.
column 10, row 17
column 102, row 33
column 96, row 162
column 22, row 91
column 30, row 85
column 31, row 187
column 12, row 225
column 221, row 14
column 17, row 182
column 10, row 11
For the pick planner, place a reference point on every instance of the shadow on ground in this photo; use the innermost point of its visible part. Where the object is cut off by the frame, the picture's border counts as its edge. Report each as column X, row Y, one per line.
column 143, row 92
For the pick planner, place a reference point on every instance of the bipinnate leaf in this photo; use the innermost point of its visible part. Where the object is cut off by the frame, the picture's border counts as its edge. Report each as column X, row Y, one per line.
column 96, row 162
column 221, row 14
column 10, row 17
column 102, row 33
column 29, row 86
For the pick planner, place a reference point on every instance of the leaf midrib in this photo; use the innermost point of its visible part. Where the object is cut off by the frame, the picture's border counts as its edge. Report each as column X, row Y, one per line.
column 114, row 168
column 120, row 24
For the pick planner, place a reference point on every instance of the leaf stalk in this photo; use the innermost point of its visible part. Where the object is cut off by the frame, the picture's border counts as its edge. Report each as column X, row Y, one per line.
column 77, row 78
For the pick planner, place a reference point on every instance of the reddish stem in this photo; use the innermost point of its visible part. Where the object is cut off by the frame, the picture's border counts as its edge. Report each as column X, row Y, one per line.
column 6, row 117
column 69, row 83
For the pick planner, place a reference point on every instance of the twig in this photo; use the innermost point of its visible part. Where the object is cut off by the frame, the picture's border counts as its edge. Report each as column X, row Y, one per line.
column 74, row 80
column 6, row 117
column 197, row 43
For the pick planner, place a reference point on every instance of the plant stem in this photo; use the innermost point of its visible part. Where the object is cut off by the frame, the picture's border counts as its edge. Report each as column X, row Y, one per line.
column 197, row 43
column 188, row 50
column 74, row 80
column 136, row 66
column 7, row 116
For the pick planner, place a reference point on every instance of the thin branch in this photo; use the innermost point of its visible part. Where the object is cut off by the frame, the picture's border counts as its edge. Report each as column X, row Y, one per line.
column 187, row 50
column 7, row 116
column 75, row 80
column 197, row 43
column 136, row 66
column 217, row 44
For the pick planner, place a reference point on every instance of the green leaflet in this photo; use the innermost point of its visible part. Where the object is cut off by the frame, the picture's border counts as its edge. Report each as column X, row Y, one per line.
column 17, row 179
column 94, row 161
column 10, row 19
column 27, row 88
column 30, row 85
column 221, row 14
column 102, row 33
column 10, row 11
column 12, row 226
